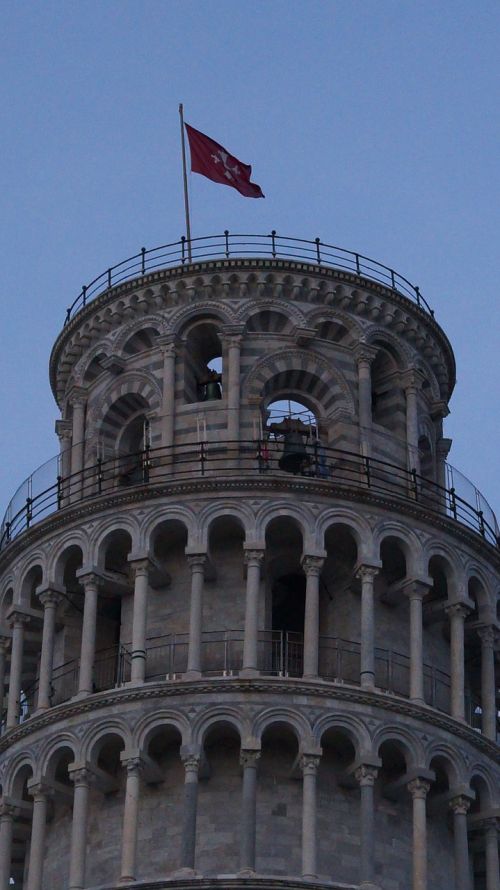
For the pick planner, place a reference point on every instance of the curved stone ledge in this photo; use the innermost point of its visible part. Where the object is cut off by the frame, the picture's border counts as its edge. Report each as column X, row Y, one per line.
column 228, row 882
column 265, row 685
column 211, row 485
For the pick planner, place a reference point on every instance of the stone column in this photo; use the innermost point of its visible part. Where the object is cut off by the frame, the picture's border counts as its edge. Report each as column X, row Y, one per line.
column 364, row 356
column 457, row 613
column 197, row 563
column 133, row 766
column 416, row 592
column 412, row 381
column 50, row 599
column 6, row 826
column 366, row 776
column 233, row 341
column 39, row 793
column 460, row 807
column 168, row 400
column 81, row 779
column 78, row 401
column 419, row 789
column 490, row 828
column 367, row 574
column 87, row 652
column 309, row 765
column 188, row 840
column 4, row 647
column 253, row 560
column 64, row 433
column 248, row 760
column 312, row 567
column 139, row 620
column 18, row 621
column 488, row 685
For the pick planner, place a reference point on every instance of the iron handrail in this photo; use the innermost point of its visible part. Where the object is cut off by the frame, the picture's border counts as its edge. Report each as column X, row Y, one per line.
column 155, row 466
column 227, row 245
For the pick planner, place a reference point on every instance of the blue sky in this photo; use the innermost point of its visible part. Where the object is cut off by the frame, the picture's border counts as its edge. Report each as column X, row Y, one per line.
column 371, row 123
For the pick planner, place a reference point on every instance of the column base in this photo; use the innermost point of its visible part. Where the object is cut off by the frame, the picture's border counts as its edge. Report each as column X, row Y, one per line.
column 79, row 695
column 246, row 873
column 185, row 873
column 369, row 885
column 249, row 673
column 126, row 880
column 192, row 675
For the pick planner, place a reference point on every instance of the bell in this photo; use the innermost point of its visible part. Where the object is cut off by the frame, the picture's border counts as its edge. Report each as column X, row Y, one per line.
column 294, row 456
column 213, row 390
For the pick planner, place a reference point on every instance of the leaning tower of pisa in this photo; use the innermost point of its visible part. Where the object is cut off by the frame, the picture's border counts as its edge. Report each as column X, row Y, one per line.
column 249, row 613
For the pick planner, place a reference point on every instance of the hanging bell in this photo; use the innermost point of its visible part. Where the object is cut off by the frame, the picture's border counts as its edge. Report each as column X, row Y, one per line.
column 213, row 390
column 294, row 457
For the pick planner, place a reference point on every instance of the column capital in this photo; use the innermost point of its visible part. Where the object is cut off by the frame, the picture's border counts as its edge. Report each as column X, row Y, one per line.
column 312, row 565
column 64, row 429
column 78, row 396
column 17, row 617
column 49, row 596
column 309, row 764
column 458, row 610
column 196, row 561
column 412, row 379
column 249, row 758
column 460, row 805
column 191, row 762
column 233, row 332
column 7, row 811
column 79, row 774
column 416, row 588
column 134, row 765
column 487, row 634
column 364, row 353
column 367, row 571
column 254, row 557
column 38, row 790
column 169, row 343
column 439, row 410
column 89, row 576
column 366, row 774
column 419, row 788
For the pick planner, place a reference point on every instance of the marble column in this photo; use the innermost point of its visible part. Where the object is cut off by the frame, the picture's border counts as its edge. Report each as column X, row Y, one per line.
column 188, row 839
column 233, row 342
column 81, row 779
column 6, row 827
column 457, row 613
column 253, row 560
column 411, row 390
column 488, row 685
column 168, row 345
column 309, row 765
column 197, row 564
column 39, row 792
column 366, row 776
column 18, row 621
column 312, row 567
column 460, row 806
column 139, row 620
column 87, row 651
column 367, row 574
column 490, row 829
column 64, row 433
column 364, row 356
column 416, row 592
column 78, row 433
column 50, row 600
column 419, row 788
column 248, row 760
column 133, row 766
column 4, row 648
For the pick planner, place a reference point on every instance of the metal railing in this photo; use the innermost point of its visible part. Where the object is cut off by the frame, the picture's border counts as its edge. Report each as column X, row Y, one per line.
column 334, row 467
column 227, row 245
column 280, row 654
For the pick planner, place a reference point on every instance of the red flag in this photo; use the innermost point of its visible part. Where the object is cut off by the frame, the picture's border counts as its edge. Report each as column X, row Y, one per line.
column 213, row 161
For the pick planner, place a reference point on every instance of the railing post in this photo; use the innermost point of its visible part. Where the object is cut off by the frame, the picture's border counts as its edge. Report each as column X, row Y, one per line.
column 367, row 471
column 99, row 475
column 84, row 295
column 202, row 458
column 59, row 492
column 393, row 280
column 318, row 254
column 417, row 291
column 29, row 514
column 453, row 503
column 414, row 483
column 143, row 260
column 226, row 236
column 273, row 242
column 481, row 523
column 183, row 249
column 358, row 267
column 109, row 278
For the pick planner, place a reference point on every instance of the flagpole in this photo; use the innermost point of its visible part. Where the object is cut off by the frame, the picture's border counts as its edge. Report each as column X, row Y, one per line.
column 186, row 198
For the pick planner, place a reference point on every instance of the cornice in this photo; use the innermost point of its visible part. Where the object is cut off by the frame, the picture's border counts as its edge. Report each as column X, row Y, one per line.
column 257, row 483
column 260, row 685
column 255, row 265
column 232, row 882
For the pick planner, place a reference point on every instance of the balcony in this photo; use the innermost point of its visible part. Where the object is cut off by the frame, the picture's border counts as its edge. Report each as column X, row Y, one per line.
column 338, row 471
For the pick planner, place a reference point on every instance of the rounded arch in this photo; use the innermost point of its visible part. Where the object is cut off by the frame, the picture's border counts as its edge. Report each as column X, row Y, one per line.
column 407, row 539
column 269, row 320
column 147, row 323
column 300, row 373
column 20, row 769
column 301, row 516
column 351, row 726
column 356, row 525
column 288, row 310
column 126, row 524
column 176, row 513
column 380, row 336
column 30, row 580
column 140, row 384
column 450, row 760
column 296, row 722
column 68, row 557
column 61, row 750
column 408, row 742
column 97, row 736
column 218, row 312
column 219, row 717
column 149, row 725
column 241, row 513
